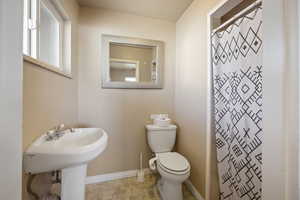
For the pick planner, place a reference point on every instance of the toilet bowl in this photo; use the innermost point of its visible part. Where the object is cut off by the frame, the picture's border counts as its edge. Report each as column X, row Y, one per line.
column 174, row 170
column 173, row 167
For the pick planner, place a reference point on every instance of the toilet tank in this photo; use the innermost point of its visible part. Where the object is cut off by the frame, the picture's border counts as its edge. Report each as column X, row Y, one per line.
column 161, row 139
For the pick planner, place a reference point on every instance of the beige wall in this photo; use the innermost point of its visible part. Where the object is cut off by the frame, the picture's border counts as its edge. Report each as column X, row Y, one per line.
column 50, row 99
column 122, row 113
column 191, row 91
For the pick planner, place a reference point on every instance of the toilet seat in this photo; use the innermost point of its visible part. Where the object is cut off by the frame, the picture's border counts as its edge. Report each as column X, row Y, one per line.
column 173, row 163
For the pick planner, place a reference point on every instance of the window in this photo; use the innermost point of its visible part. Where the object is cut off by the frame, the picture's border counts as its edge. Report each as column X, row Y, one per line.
column 43, row 35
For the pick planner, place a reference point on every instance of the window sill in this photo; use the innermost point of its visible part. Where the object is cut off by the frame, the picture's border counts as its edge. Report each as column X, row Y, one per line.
column 46, row 66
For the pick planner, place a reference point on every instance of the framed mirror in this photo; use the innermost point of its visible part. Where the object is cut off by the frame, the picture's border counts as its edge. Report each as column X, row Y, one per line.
column 131, row 63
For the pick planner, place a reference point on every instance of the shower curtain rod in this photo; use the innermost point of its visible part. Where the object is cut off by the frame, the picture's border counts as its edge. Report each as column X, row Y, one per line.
column 240, row 14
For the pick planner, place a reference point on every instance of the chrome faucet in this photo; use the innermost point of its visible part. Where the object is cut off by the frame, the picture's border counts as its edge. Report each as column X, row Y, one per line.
column 57, row 132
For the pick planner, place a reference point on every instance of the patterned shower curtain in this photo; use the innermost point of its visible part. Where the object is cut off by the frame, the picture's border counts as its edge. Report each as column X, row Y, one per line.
column 237, row 71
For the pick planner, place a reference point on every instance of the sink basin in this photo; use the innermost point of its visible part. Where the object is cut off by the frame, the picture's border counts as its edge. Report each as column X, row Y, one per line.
column 73, row 148
column 69, row 153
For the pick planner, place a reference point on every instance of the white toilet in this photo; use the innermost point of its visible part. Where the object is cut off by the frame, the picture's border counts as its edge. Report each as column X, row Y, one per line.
column 173, row 167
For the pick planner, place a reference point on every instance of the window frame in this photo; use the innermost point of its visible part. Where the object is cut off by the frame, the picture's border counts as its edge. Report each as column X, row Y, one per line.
column 31, row 24
column 26, row 30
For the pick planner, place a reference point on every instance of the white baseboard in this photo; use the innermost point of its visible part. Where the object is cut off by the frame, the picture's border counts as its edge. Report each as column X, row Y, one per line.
column 113, row 176
column 193, row 190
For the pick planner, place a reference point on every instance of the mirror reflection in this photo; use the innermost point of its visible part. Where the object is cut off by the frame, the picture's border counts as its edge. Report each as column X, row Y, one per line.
column 132, row 63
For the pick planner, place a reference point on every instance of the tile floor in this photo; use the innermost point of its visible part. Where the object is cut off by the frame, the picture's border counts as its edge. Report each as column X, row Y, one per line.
column 128, row 189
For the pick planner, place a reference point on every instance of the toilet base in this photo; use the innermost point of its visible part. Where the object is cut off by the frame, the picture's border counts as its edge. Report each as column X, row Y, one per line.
column 169, row 190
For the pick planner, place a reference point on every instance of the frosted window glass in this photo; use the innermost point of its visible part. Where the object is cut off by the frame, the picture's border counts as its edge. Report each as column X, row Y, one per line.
column 49, row 37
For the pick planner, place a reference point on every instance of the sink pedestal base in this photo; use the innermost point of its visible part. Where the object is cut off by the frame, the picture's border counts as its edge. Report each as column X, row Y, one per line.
column 73, row 183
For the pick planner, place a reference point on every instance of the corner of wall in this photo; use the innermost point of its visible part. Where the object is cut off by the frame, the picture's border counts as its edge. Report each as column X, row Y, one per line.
column 190, row 101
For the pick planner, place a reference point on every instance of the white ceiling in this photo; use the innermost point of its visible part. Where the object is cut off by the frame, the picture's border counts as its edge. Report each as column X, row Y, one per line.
column 163, row 9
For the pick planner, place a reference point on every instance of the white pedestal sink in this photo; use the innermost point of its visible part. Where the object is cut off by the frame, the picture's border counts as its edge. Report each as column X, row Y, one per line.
column 70, row 153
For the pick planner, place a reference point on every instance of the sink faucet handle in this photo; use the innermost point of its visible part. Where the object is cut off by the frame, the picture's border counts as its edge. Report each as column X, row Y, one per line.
column 50, row 132
column 50, row 135
column 60, row 127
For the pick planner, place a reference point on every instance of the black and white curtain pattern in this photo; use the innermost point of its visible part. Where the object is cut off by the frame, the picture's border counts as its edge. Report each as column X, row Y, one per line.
column 237, row 71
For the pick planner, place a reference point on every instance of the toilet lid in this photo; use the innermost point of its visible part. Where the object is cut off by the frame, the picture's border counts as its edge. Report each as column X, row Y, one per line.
column 173, row 161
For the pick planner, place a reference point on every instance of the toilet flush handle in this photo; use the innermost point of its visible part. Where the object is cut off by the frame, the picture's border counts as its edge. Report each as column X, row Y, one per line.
column 152, row 163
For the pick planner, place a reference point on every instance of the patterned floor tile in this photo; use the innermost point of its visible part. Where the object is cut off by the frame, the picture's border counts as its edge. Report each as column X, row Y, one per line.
column 128, row 189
